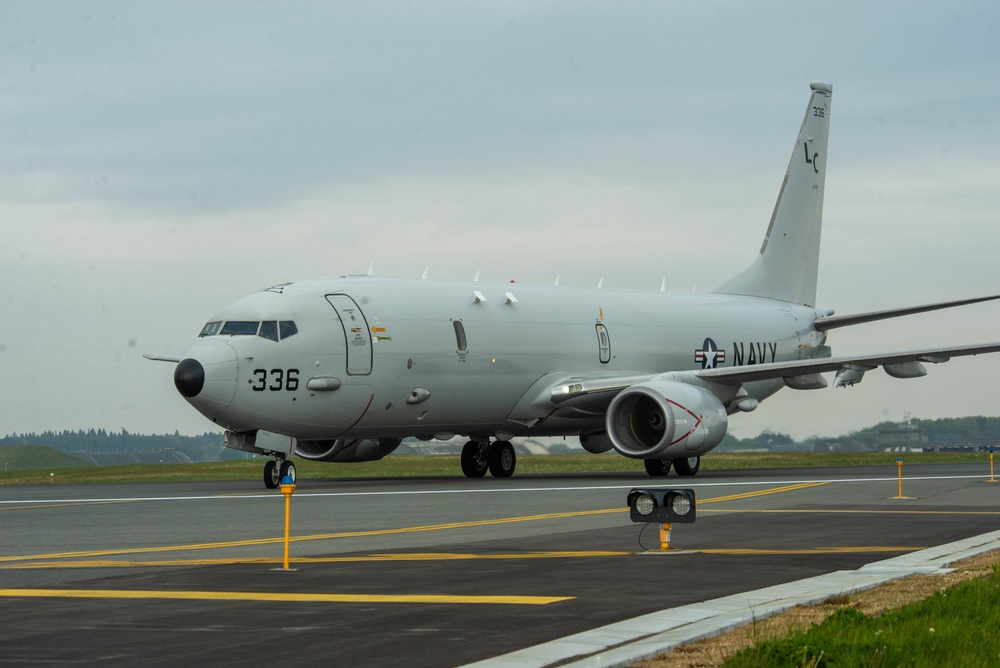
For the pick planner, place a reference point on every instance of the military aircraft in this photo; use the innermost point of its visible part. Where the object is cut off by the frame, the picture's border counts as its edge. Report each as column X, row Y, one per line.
column 341, row 369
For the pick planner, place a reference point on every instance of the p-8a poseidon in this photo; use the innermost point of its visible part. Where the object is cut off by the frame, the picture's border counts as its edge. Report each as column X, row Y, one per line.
column 342, row 369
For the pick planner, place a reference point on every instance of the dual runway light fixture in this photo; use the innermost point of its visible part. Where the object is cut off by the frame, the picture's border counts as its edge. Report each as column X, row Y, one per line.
column 663, row 505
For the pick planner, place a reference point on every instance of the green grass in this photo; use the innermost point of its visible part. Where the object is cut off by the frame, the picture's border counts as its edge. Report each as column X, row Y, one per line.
column 23, row 457
column 956, row 628
column 447, row 465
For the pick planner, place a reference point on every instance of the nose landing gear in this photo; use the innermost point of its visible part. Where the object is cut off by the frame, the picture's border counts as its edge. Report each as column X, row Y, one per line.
column 276, row 471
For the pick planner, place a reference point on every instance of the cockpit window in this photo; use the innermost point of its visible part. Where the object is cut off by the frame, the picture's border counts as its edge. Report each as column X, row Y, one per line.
column 240, row 327
column 287, row 328
column 269, row 330
column 210, row 329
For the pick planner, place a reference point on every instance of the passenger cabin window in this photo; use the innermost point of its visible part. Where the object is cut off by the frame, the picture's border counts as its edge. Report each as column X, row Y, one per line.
column 460, row 336
column 269, row 330
column 287, row 328
column 240, row 327
column 211, row 329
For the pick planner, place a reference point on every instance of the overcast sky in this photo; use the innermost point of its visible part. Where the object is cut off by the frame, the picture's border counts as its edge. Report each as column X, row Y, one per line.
column 160, row 160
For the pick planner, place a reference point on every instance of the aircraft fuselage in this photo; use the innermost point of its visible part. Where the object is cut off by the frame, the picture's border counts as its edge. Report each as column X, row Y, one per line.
column 374, row 357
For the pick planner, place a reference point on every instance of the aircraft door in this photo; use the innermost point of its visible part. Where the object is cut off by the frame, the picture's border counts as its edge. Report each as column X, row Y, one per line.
column 357, row 336
column 603, row 344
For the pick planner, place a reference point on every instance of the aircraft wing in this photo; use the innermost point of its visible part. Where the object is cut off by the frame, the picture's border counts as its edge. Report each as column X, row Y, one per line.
column 849, row 368
column 593, row 394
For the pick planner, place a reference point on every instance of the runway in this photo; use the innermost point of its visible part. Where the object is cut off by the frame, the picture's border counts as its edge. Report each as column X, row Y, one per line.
column 432, row 571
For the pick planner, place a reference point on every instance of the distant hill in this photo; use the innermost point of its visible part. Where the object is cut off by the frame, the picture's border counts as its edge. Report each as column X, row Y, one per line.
column 116, row 448
column 23, row 457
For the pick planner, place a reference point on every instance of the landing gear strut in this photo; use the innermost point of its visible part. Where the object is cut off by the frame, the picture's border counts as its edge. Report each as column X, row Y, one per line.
column 479, row 456
column 276, row 471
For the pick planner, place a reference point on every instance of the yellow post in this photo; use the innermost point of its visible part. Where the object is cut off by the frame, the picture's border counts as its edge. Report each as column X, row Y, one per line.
column 665, row 537
column 899, row 466
column 992, row 479
column 287, row 490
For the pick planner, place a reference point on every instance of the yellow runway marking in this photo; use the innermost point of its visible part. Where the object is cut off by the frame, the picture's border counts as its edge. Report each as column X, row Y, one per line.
column 68, row 504
column 439, row 556
column 326, row 536
column 365, row 558
column 761, row 492
column 62, row 557
column 280, row 598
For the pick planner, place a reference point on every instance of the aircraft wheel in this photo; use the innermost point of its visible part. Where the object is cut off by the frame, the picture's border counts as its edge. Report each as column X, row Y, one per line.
column 271, row 478
column 287, row 471
column 657, row 467
column 687, row 466
column 473, row 460
column 501, row 459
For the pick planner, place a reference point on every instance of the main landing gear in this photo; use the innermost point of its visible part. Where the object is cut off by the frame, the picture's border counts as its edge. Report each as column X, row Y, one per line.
column 685, row 466
column 276, row 471
column 497, row 456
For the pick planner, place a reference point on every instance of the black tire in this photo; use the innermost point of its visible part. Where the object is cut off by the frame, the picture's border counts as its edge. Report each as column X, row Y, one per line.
column 688, row 466
column 473, row 462
column 501, row 459
column 287, row 471
column 271, row 478
column 657, row 468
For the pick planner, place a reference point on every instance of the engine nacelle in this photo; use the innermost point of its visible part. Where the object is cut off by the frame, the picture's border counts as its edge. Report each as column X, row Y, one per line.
column 347, row 450
column 665, row 419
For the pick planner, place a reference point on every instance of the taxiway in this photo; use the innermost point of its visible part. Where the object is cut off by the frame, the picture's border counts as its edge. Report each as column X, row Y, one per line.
column 435, row 571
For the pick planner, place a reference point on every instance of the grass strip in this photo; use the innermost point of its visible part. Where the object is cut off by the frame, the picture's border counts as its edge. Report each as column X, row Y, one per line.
column 396, row 466
column 956, row 627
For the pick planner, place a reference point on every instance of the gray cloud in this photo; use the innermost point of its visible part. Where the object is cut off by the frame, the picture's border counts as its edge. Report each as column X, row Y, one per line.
column 145, row 149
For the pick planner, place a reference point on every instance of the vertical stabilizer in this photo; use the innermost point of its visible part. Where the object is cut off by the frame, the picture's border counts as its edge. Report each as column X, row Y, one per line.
column 788, row 263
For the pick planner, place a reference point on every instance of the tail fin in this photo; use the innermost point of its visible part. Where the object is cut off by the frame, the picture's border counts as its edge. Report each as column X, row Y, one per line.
column 788, row 263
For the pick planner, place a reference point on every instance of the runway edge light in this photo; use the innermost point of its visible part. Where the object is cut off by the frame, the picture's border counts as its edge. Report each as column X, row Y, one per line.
column 661, row 504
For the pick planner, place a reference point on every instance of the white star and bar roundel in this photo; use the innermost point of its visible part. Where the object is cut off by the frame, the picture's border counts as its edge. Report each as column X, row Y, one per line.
column 709, row 355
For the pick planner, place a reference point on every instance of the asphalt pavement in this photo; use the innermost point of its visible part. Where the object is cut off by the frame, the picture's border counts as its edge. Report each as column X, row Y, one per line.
column 530, row 570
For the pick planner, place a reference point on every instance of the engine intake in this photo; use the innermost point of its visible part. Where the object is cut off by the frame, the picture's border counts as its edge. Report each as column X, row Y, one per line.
column 347, row 450
column 665, row 419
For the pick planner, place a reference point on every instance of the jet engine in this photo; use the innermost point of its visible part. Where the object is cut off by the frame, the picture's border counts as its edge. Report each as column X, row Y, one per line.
column 346, row 450
column 665, row 419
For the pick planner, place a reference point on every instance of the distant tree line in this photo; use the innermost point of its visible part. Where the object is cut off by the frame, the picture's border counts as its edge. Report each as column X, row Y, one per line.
column 943, row 431
column 209, row 446
column 204, row 447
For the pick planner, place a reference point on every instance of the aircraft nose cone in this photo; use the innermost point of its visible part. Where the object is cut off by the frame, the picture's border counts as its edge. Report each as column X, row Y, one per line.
column 189, row 377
